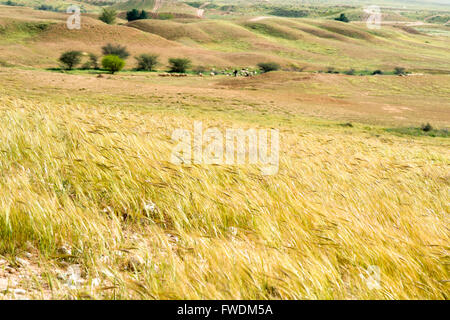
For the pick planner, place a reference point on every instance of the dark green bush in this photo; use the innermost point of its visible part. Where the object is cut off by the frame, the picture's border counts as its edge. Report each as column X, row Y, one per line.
column 342, row 18
column 117, row 50
column 70, row 59
column 377, row 72
column 426, row 127
column 399, row 71
column 180, row 65
column 268, row 66
column 134, row 14
column 146, row 62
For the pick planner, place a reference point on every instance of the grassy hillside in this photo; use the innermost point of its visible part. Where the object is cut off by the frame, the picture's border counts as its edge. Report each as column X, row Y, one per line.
column 312, row 43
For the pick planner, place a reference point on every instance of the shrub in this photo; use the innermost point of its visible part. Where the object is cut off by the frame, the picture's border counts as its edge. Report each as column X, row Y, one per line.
column 92, row 63
column 93, row 60
column 134, row 14
column 342, row 18
column 146, row 62
column 143, row 15
column 350, row 72
column 426, row 127
column 268, row 66
column 116, row 50
column 113, row 63
column 332, row 70
column 179, row 64
column 399, row 71
column 108, row 15
column 377, row 72
column 200, row 69
column 70, row 59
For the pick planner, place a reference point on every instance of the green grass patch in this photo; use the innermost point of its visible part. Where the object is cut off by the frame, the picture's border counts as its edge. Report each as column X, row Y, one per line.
column 417, row 132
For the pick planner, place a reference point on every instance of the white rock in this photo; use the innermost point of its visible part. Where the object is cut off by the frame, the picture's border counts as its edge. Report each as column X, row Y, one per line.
column 22, row 262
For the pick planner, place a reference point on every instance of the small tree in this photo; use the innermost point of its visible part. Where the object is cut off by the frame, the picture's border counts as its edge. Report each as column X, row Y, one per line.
column 143, row 15
column 133, row 15
column 113, row 63
column 400, row 71
column 70, row 59
column 146, row 62
column 342, row 18
column 93, row 60
column 92, row 63
column 117, row 50
column 268, row 66
column 108, row 15
column 179, row 65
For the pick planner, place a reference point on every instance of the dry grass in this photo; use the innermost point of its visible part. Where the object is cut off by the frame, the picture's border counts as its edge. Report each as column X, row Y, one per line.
column 80, row 176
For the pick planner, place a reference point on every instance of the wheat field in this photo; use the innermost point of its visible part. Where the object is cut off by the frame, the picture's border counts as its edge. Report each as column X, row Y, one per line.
column 92, row 186
column 92, row 205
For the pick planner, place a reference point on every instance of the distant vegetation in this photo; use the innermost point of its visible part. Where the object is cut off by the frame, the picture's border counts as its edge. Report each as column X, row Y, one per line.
column 108, row 15
column 268, row 66
column 424, row 130
column 117, row 50
column 113, row 63
column 165, row 16
column 46, row 7
column 92, row 63
column 292, row 13
column 399, row 71
column 146, row 62
column 12, row 4
column 342, row 18
column 134, row 14
column 70, row 59
column 179, row 65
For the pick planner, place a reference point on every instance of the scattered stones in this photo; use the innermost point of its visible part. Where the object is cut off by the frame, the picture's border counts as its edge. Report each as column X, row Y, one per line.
column 6, row 284
column 150, row 207
column 19, row 291
column 65, row 250
column 134, row 262
column 10, row 270
column 22, row 262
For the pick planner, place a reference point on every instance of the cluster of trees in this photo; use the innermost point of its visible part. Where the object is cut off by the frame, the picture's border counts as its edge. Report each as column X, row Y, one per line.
column 134, row 14
column 114, row 57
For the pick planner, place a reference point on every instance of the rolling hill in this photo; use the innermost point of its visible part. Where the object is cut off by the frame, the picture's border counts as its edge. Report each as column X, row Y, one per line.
column 37, row 38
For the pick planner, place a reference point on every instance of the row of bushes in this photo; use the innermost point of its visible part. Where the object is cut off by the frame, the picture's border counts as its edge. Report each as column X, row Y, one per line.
column 109, row 15
column 397, row 71
column 115, row 56
column 114, row 60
